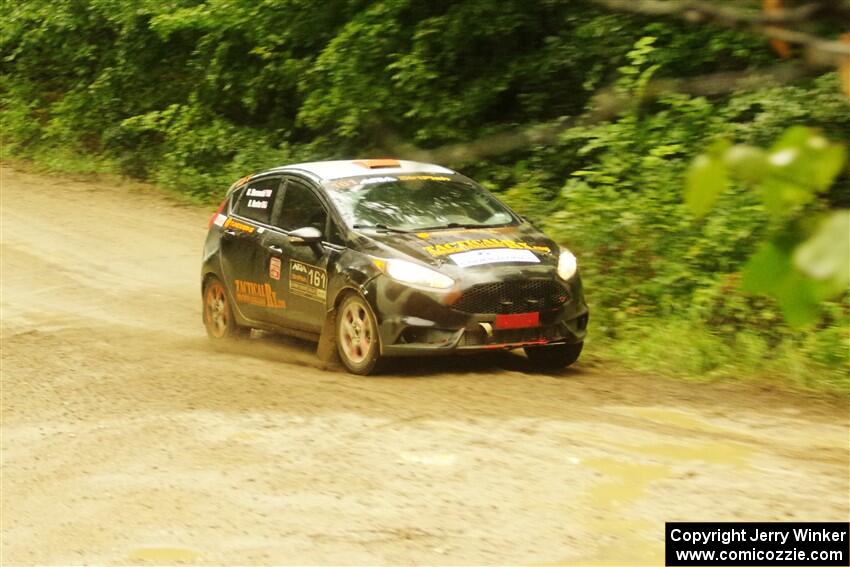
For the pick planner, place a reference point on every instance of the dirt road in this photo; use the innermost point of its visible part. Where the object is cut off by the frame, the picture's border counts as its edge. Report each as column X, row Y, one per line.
column 126, row 438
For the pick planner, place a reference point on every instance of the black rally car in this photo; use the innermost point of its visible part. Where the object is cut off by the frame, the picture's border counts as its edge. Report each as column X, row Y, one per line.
column 384, row 258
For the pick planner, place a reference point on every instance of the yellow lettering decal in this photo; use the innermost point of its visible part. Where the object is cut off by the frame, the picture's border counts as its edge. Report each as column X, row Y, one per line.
column 423, row 178
column 232, row 223
column 487, row 243
column 254, row 293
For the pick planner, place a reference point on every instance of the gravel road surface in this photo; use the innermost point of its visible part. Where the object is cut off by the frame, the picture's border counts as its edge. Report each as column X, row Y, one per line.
column 128, row 439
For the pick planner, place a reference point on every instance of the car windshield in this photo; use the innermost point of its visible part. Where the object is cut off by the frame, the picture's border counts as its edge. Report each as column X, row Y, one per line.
column 416, row 202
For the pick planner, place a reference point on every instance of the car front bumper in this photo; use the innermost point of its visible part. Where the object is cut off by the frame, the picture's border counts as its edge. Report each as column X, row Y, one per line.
column 413, row 321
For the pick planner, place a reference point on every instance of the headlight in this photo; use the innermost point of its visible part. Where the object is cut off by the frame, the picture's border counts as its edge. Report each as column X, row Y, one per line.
column 567, row 264
column 414, row 274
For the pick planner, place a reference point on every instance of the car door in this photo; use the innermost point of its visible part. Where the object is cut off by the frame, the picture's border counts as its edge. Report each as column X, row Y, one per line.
column 299, row 272
column 243, row 253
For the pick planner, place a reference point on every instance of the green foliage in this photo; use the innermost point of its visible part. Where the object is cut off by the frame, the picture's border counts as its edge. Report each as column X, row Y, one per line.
column 706, row 179
column 193, row 94
column 807, row 260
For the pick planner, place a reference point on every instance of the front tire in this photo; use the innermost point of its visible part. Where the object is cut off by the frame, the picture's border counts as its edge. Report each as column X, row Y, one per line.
column 357, row 338
column 218, row 315
column 553, row 357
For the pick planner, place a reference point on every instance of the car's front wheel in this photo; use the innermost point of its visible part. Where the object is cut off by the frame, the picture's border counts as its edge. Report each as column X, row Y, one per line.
column 553, row 357
column 357, row 336
column 218, row 315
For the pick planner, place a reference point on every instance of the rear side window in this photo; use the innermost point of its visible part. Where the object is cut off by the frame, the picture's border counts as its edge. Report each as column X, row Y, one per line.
column 257, row 200
column 301, row 207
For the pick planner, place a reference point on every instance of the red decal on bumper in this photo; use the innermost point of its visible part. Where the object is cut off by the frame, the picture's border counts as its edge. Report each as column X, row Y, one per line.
column 518, row 321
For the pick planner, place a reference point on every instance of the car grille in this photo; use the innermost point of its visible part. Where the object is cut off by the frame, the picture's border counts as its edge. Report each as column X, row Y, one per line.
column 505, row 298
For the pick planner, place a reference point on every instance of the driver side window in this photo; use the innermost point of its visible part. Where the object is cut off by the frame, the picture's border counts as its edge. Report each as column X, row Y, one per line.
column 301, row 207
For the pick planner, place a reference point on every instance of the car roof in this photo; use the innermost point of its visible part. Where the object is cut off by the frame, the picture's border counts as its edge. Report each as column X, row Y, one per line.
column 336, row 169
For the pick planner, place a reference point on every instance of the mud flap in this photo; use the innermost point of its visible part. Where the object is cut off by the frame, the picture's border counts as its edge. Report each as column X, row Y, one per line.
column 326, row 351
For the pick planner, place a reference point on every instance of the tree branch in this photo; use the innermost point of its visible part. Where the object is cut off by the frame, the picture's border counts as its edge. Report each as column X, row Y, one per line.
column 819, row 51
column 701, row 10
column 605, row 105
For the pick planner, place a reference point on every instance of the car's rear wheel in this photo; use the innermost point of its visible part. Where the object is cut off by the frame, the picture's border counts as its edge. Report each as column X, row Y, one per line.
column 218, row 315
column 553, row 357
column 357, row 336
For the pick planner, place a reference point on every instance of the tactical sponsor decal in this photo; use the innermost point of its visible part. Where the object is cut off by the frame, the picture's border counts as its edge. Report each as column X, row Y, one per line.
column 237, row 225
column 424, row 178
column 482, row 244
column 443, row 232
column 274, row 268
column 254, row 293
column 308, row 281
column 493, row 256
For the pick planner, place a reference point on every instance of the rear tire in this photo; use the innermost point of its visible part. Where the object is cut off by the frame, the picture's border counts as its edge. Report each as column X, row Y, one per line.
column 218, row 315
column 553, row 357
column 357, row 339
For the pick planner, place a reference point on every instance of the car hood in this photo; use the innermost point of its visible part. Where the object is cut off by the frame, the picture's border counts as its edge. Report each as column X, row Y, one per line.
column 465, row 249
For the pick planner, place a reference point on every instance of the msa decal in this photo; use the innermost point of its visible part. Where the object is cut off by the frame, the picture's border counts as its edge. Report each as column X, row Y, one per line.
column 482, row 244
column 308, row 281
column 274, row 268
column 236, row 225
column 493, row 256
column 254, row 293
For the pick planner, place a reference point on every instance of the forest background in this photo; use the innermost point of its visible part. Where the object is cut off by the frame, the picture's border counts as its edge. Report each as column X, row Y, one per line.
column 585, row 117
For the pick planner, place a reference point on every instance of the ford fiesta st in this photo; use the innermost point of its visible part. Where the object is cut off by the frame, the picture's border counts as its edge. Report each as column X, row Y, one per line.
column 381, row 258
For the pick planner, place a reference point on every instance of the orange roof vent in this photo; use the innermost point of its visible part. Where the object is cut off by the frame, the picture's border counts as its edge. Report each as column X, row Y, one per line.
column 378, row 163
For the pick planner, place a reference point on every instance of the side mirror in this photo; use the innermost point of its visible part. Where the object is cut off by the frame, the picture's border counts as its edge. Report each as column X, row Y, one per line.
column 307, row 236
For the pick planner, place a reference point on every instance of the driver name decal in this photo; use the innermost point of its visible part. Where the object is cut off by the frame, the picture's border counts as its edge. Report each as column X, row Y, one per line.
column 308, row 281
column 258, row 198
column 254, row 293
column 493, row 256
column 482, row 244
